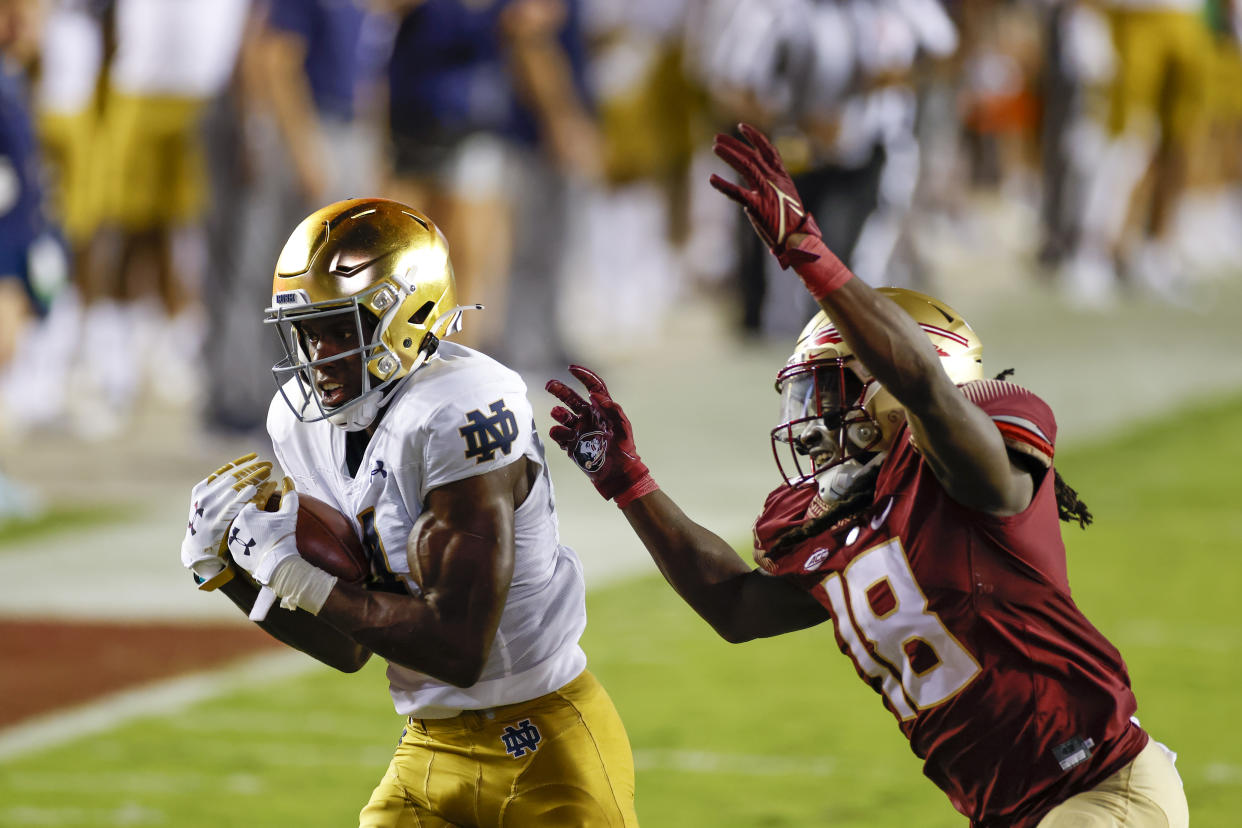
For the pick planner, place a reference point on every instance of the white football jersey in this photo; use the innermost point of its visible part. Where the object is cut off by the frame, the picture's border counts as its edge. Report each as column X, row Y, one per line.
column 460, row 415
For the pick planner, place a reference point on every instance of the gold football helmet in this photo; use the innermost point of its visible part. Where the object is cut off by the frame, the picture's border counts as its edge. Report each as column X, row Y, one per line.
column 362, row 255
column 833, row 410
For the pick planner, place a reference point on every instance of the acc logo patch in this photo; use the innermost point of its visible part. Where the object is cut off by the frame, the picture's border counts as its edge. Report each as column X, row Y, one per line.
column 590, row 451
column 817, row 557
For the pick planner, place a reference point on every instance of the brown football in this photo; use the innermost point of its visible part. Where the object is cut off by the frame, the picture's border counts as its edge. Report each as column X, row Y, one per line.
column 327, row 539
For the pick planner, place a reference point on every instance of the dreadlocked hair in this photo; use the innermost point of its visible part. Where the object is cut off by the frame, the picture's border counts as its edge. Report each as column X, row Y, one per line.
column 860, row 497
column 1070, row 507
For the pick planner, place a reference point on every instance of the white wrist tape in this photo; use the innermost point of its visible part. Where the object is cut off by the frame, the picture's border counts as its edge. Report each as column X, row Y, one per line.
column 301, row 585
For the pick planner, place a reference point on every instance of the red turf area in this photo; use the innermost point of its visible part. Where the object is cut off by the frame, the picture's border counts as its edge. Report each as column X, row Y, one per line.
column 54, row 664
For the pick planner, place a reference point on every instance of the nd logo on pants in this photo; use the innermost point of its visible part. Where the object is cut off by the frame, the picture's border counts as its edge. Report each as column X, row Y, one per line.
column 559, row 760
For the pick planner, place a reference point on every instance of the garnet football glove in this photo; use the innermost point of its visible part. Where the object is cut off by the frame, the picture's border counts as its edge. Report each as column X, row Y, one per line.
column 214, row 502
column 597, row 435
column 265, row 545
column 776, row 211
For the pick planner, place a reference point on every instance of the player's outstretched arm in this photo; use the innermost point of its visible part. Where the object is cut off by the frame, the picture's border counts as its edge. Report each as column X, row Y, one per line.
column 740, row 603
column 961, row 442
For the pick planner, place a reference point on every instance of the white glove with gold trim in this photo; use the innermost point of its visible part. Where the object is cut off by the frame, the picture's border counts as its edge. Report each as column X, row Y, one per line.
column 214, row 502
column 259, row 541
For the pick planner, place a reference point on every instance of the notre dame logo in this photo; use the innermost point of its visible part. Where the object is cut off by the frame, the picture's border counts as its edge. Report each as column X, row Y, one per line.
column 523, row 738
column 488, row 434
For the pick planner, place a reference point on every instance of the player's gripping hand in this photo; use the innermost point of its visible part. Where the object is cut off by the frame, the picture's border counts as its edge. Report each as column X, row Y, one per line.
column 260, row 541
column 776, row 210
column 214, row 502
column 265, row 545
column 597, row 435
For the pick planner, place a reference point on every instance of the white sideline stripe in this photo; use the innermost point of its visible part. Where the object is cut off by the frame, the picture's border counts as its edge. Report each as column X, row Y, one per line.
column 160, row 698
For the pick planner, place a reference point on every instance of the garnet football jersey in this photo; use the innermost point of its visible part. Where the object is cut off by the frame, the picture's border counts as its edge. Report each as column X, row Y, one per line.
column 964, row 624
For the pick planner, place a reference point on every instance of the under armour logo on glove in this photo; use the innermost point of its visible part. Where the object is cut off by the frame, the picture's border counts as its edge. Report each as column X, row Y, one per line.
column 518, row 740
column 194, row 516
column 246, row 546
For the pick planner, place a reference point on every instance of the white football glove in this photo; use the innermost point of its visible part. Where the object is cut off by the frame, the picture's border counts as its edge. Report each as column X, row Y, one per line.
column 265, row 545
column 214, row 502
column 260, row 540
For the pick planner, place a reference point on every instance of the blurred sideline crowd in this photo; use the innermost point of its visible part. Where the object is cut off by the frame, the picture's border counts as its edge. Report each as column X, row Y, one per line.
column 155, row 155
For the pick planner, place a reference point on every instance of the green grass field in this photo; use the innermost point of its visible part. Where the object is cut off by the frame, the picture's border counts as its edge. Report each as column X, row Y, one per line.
column 61, row 519
column 771, row 733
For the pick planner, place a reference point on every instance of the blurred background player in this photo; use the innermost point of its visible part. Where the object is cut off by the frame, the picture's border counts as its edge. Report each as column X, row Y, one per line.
column 648, row 112
column 1156, row 124
column 429, row 449
column 33, row 265
column 66, row 104
column 920, row 514
column 295, row 129
column 168, row 61
column 490, row 125
column 835, row 83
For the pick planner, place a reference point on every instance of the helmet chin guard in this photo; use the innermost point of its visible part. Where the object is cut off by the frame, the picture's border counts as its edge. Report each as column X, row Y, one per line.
column 359, row 413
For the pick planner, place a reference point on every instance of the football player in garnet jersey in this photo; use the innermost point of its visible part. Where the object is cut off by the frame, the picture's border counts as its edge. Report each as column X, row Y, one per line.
column 476, row 607
column 920, row 515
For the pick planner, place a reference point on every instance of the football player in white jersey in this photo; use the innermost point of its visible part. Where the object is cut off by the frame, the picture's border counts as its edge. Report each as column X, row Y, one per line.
column 430, row 449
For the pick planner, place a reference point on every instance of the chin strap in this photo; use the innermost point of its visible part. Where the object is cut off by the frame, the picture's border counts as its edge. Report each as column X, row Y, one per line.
column 361, row 413
column 838, row 483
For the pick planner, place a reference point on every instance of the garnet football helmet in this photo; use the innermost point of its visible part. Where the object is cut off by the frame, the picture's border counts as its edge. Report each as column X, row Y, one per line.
column 833, row 410
column 365, row 255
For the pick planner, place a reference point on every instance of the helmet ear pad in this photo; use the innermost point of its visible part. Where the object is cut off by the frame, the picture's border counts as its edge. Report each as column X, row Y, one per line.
column 886, row 414
column 862, row 434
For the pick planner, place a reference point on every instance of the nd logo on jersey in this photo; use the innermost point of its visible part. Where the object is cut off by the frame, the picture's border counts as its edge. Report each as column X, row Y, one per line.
column 488, row 434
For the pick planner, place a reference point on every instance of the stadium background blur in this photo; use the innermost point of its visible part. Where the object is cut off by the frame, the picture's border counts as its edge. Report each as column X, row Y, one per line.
column 1067, row 173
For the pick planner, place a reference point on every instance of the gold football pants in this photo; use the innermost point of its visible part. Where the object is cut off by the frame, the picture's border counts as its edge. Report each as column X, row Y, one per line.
column 559, row 760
